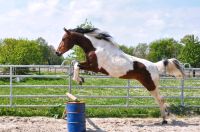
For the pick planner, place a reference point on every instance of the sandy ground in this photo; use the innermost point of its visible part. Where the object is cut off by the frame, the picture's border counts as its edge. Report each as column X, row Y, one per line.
column 44, row 124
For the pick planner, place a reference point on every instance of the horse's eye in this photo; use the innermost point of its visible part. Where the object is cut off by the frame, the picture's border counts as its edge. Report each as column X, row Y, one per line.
column 63, row 39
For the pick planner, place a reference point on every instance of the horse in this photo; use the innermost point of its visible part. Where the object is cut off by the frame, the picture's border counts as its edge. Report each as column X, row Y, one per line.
column 104, row 56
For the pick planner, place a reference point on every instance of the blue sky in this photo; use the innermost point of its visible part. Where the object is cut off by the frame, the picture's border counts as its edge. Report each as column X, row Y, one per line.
column 129, row 21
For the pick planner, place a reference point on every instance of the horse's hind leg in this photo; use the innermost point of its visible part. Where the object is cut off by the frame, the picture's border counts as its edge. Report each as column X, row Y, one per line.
column 163, row 108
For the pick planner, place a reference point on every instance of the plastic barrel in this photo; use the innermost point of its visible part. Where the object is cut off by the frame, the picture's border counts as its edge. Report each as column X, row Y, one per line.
column 76, row 117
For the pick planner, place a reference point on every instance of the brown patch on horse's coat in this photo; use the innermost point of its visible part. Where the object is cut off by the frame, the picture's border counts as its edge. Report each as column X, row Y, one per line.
column 83, row 42
column 91, row 63
column 141, row 74
column 92, row 59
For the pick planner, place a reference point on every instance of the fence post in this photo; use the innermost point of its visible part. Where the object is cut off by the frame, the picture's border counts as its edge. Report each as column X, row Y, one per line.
column 182, row 92
column 11, row 86
column 70, row 78
column 128, row 93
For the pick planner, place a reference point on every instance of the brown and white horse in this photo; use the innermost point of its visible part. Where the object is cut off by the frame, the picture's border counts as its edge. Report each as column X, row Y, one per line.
column 103, row 55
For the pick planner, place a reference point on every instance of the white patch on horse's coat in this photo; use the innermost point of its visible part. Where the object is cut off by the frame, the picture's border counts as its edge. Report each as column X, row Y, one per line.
column 170, row 69
column 161, row 67
column 115, row 61
column 111, row 58
column 96, row 32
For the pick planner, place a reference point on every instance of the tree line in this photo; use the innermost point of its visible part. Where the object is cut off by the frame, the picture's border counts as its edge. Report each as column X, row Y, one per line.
column 187, row 50
column 27, row 52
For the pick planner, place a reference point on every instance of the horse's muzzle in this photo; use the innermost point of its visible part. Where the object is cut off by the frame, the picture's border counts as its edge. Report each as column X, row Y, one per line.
column 58, row 53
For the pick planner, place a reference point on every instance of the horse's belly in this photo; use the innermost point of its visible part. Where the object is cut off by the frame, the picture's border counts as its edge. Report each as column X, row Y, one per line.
column 116, row 66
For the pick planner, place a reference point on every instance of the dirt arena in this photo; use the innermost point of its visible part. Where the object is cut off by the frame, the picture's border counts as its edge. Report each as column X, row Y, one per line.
column 44, row 124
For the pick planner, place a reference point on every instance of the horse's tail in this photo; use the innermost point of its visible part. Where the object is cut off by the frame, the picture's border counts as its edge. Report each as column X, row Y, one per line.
column 170, row 66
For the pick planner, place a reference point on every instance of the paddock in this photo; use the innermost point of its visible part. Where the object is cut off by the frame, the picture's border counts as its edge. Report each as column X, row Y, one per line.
column 44, row 124
column 120, row 93
column 16, row 94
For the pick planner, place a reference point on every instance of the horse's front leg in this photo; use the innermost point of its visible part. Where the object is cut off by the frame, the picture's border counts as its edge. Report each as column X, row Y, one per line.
column 83, row 66
column 76, row 76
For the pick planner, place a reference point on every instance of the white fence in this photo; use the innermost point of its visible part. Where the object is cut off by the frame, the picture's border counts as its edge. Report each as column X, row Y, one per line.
column 57, row 71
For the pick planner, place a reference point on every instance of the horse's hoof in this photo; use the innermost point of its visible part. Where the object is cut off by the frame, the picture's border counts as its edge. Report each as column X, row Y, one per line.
column 80, row 83
column 82, row 79
column 168, row 114
column 164, row 122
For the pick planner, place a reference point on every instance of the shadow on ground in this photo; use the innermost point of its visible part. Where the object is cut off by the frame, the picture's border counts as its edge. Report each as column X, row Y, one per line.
column 172, row 123
column 96, row 128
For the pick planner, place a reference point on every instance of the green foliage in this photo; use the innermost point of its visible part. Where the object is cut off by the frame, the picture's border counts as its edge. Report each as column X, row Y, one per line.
column 78, row 54
column 21, row 51
column 53, row 59
column 86, row 25
column 191, row 50
column 141, row 50
column 44, row 49
column 164, row 48
column 126, row 49
column 56, row 112
column 183, row 111
column 26, row 52
column 48, row 53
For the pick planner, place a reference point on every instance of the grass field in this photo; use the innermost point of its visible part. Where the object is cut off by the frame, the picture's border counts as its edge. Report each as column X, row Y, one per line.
column 97, row 112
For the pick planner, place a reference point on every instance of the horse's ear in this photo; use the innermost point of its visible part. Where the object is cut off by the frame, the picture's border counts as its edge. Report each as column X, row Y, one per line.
column 67, row 31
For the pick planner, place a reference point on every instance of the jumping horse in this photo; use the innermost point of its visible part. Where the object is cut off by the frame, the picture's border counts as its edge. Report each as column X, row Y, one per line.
column 104, row 56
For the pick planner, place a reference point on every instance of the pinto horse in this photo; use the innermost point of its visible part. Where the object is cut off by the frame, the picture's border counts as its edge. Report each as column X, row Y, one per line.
column 103, row 55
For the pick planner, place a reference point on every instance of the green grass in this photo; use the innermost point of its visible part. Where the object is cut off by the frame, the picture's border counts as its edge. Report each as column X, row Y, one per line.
column 96, row 112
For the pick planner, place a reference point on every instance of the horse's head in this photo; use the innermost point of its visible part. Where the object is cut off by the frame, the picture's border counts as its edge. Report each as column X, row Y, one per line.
column 66, row 43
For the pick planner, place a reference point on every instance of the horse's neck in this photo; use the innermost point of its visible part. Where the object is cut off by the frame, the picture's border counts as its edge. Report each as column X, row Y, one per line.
column 102, row 44
column 84, row 43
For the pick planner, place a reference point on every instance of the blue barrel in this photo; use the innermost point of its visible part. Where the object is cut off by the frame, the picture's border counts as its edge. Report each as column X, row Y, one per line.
column 76, row 117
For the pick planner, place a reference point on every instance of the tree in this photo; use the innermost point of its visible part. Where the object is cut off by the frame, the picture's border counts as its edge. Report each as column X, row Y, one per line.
column 26, row 52
column 191, row 50
column 21, row 51
column 127, row 50
column 164, row 48
column 86, row 25
column 141, row 50
column 44, row 50
column 78, row 54
column 48, row 53
column 53, row 59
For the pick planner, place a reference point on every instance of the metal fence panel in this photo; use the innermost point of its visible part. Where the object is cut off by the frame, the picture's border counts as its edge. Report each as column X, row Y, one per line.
column 191, row 82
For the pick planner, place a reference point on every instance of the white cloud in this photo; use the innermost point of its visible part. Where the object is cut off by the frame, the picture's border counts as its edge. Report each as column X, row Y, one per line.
column 125, row 20
column 47, row 7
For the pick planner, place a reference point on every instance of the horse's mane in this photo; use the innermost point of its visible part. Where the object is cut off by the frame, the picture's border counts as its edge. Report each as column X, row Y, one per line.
column 95, row 32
